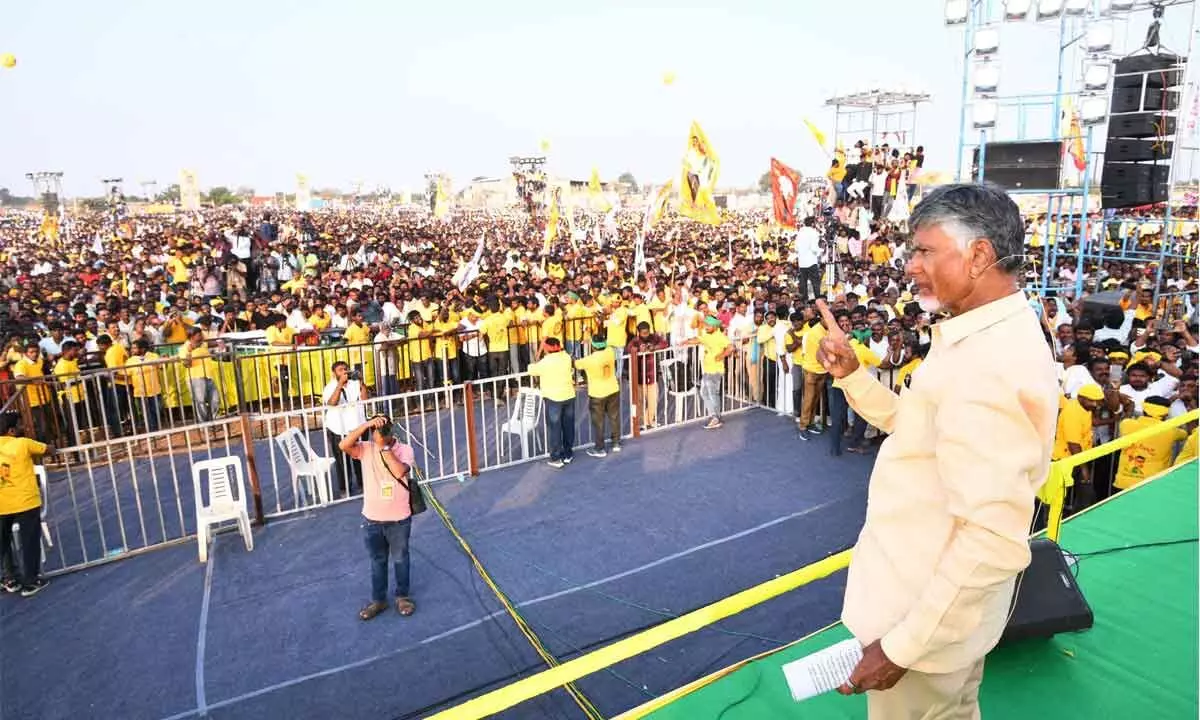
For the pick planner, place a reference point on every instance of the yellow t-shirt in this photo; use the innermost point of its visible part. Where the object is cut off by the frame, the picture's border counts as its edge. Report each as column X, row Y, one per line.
column 880, row 254
column 175, row 331
column 552, row 327
column 496, row 329
column 766, row 338
column 357, row 334
column 38, row 395
column 600, row 368
column 144, row 380
column 446, row 345
column 1075, row 427
column 714, row 344
column 195, row 360
column 64, row 369
column 418, row 347
column 615, row 326
column 557, row 378
column 18, row 485
column 178, row 269
column 114, row 359
column 576, row 324
column 812, row 342
column 320, row 322
column 1148, row 458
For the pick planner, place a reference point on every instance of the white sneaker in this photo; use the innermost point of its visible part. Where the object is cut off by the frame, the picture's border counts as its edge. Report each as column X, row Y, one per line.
column 598, row 453
column 616, row 448
column 556, row 464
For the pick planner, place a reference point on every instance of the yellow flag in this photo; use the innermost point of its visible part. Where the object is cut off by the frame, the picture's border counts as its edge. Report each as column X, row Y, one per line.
column 551, row 223
column 544, row 145
column 816, row 133
column 596, row 191
column 441, row 198
column 698, row 181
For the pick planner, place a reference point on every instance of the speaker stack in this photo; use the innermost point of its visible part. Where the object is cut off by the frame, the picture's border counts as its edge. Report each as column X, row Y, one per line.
column 1021, row 165
column 1141, row 130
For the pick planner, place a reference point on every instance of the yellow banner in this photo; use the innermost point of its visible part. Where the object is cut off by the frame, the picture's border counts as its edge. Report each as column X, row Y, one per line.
column 698, row 182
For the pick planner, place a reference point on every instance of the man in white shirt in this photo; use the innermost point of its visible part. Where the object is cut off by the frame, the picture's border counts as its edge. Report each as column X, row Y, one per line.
column 386, row 341
column 808, row 259
column 343, row 399
column 473, row 347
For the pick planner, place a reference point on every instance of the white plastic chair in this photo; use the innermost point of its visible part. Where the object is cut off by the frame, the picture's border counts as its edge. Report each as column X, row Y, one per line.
column 670, row 368
column 39, row 472
column 224, row 473
column 525, row 421
column 306, row 465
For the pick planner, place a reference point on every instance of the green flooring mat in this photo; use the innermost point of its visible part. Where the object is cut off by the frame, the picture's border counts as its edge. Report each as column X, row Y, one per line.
column 1139, row 661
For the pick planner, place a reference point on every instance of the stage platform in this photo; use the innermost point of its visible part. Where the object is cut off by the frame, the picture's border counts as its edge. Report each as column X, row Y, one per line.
column 590, row 553
column 1137, row 566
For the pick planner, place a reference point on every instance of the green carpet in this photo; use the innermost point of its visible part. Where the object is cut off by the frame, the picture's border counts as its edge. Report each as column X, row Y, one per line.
column 1139, row 661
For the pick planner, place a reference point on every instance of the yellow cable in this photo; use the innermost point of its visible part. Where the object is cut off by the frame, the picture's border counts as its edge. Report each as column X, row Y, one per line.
column 589, row 709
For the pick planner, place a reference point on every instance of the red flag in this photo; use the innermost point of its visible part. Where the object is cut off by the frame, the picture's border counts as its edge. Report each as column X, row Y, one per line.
column 785, row 182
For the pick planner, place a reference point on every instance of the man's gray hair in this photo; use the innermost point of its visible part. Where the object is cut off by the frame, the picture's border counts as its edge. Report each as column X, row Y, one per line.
column 969, row 212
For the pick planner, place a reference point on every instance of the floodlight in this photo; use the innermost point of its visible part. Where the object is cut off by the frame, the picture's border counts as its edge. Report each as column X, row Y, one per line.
column 1076, row 7
column 1016, row 9
column 1093, row 109
column 1098, row 38
column 987, row 41
column 956, row 11
column 1095, row 76
column 1049, row 9
column 983, row 114
column 986, row 77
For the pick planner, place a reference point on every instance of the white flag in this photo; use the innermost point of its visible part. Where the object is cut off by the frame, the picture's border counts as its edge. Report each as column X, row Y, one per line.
column 97, row 244
column 467, row 272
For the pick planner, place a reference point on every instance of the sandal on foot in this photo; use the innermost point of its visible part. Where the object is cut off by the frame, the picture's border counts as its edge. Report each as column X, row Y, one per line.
column 405, row 607
column 370, row 611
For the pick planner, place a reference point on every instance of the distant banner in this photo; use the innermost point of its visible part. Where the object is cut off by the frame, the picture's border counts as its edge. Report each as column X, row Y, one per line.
column 784, row 183
column 189, row 190
column 701, row 167
column 303, row 193
column 1189, row 118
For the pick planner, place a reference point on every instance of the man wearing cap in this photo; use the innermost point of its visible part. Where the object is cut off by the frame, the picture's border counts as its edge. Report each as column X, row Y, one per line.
column 604, row 394
column 951, row 497
column 1074, row 435
column 716, row 348
column 554, row 370
column 1150, row 456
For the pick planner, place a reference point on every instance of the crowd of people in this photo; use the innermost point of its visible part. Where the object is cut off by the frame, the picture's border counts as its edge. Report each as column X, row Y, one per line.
column 126, row 296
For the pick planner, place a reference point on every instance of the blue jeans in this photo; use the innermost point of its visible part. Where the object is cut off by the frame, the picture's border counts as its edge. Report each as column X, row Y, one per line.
column 205, row 399
column 149, row 409
column 388, row 385
column 838, row 409
column 710, row 392
column 560, row 428
column 388, row 540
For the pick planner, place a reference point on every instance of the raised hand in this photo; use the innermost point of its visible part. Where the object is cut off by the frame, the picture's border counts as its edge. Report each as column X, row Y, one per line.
column 835, row 353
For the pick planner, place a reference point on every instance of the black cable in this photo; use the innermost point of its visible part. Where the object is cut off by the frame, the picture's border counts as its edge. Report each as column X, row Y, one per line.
column 749, row 693
column 1078, row 557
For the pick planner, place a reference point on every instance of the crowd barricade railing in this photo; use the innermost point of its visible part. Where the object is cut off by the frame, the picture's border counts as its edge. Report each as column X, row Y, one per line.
column 126, row 448
column 528, row 688
column 1061, row 476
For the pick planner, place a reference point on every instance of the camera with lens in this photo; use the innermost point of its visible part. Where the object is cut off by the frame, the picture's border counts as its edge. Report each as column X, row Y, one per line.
column 355, row 375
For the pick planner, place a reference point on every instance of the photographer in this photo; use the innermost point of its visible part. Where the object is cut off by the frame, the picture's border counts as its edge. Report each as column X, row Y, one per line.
column 343, row 399
column 386, row 510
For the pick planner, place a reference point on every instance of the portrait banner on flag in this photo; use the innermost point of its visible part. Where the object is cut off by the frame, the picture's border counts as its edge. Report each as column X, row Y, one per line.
column 784, row 185
column 698, row 181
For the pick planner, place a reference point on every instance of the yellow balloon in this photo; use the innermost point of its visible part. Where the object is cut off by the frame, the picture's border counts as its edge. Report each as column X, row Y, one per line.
column 668, row 78
column 8, row 60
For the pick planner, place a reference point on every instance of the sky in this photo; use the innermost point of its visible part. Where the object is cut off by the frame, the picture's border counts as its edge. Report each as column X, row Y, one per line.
column 382, row 92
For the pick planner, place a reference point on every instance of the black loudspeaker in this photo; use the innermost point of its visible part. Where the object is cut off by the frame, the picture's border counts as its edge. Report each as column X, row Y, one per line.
column 1047, row 599
column 1155, row 71
column 1123, row 150
column 1125, row 100
column 1141, row 130
column 1021, row 165
column 1141, row 125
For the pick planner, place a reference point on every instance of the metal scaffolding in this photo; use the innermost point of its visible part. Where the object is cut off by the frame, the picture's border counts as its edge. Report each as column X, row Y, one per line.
column 877, row 116
column 1066, row 217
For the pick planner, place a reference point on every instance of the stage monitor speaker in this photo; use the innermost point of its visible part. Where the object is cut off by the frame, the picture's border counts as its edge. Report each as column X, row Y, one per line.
column 1134, row 100
column 1141, row 125
column 1156, row 71
column 1047, row 599
column 1124, row 150
column 1021, row 165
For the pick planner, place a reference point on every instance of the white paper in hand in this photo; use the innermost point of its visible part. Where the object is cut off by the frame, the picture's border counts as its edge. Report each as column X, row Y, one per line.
column 823, row 670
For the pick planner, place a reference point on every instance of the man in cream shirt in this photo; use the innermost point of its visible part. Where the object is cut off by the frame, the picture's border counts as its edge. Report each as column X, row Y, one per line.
column 951, row 498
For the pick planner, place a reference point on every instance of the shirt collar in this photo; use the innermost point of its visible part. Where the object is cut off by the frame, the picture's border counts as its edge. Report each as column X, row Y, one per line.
column 960, row 327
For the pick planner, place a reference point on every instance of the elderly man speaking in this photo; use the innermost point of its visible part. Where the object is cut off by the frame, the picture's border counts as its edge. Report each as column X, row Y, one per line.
column 952, row 494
